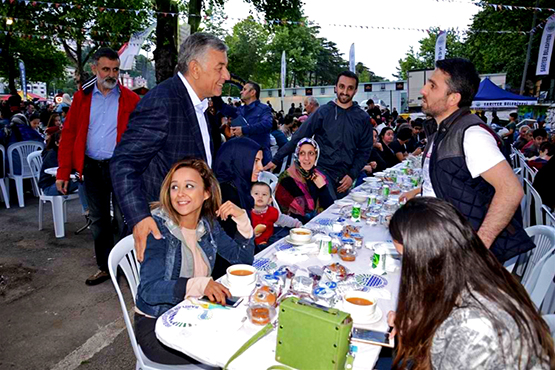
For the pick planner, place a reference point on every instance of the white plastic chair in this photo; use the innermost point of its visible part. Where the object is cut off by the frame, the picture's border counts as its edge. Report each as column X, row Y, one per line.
column 3, row 179
column 533, row 195
column 59, row 211
column 23, row 148
column 525, row 203
column 123, row 255
column 550, row 320
column 548, row 217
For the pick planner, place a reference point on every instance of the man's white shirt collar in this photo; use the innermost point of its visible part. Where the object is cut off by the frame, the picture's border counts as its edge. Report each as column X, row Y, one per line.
column 201, row 106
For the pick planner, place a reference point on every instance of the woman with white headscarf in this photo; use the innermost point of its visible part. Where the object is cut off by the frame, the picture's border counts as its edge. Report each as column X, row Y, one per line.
column 302, row 191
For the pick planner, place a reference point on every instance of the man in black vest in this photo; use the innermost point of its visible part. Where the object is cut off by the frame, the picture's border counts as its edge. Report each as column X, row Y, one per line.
column 464, row 165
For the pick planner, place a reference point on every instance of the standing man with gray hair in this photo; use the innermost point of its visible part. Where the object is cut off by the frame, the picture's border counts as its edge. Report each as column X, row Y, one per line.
column 311, row 105
column 168, row 124
column 94, row 124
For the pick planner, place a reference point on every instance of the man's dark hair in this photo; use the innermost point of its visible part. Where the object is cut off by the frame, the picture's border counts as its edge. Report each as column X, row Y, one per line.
column 347, row 74
column 539, row 132
column 104, row 53
column 369, row 101
column 513, row 115
column 417, row 123
column 14, row 101
column 549, row 147
column 463, row 78
column 256, row 88
column 404, row 134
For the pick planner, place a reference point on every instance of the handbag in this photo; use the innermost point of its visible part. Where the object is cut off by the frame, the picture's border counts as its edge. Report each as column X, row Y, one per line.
column 310, row 337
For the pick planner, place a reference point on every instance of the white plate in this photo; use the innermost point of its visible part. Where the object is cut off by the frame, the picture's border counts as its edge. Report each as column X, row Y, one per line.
column 241, row 292
column 344, row 202
column 296, row 242
column 371, row 179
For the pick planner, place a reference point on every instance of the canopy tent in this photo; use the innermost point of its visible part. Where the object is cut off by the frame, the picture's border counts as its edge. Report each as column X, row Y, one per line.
column 30, row 96
column 491, row 96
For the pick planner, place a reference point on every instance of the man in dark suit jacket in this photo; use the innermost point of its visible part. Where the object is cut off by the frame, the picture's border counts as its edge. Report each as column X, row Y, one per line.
column 168, row 124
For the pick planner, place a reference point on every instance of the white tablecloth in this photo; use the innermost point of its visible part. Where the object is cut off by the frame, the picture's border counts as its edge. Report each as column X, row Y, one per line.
column 215, row 347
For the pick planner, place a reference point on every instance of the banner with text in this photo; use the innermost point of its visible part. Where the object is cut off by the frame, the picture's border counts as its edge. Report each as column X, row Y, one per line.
column 546, row 47
column 440, row 45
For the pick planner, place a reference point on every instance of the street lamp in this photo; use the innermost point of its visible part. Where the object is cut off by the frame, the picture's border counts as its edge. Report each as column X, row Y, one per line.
column 9, row 21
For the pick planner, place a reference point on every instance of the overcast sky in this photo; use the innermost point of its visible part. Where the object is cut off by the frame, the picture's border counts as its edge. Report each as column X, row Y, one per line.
column 380, row 50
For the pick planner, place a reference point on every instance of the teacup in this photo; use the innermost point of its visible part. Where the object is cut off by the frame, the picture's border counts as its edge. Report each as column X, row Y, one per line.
column 300, row 234
column 241, row 275
column 359, row 304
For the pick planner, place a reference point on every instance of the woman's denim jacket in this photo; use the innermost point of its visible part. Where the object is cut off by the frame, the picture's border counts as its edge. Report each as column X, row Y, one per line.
column 161, row 287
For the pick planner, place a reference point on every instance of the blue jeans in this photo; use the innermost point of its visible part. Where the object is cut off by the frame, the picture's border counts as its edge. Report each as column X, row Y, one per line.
column 72, row 187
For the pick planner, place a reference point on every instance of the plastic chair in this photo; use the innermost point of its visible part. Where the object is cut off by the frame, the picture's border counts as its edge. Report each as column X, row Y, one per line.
column 59, row 211
column 547, row 216
column 529, row 173
column 550, row 320
column 533, row 195
column 525, row 203
column 123, row 255
column 23, row 148
column 3, row 179
column 541, row 280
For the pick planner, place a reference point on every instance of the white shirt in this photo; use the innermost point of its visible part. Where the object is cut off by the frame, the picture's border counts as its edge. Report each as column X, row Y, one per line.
column 480, row 152
column 200, row 108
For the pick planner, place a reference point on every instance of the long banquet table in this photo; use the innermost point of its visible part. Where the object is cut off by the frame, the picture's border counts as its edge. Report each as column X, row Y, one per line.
column 215, row 344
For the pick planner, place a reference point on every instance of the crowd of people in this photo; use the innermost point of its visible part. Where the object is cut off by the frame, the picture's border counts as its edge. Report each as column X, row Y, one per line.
column 180, row 170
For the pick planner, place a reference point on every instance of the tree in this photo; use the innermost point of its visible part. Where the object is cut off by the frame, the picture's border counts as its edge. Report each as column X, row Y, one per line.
column 365, row 74
column 329, row 63
column 425, row 56
column 82, row 26
column 143, row 67
column 493, row 52
column 247, row 48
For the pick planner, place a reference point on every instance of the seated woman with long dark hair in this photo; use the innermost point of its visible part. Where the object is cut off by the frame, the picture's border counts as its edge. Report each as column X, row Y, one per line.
column 179, row 265
column 458, row 308
column 387, row 136
column 302, row 191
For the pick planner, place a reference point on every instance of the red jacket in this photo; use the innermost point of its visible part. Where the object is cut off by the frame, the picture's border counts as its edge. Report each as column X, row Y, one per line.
column 267, row 218
column 73, row 143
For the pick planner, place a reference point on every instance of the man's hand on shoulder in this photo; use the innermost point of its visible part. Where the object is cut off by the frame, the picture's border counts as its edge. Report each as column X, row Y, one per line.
column 269, row 167
column 140, row 234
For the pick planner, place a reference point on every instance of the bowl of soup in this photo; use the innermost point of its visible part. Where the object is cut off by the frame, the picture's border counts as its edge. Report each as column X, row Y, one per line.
column 241, row 275
column 300, row 234
column 359, row 304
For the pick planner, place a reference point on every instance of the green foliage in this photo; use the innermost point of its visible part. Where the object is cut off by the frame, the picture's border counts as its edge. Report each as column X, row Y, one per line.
column 290, row 10
column 143, row 67
column 365, row 74
column 424, row 57
column 247, row 47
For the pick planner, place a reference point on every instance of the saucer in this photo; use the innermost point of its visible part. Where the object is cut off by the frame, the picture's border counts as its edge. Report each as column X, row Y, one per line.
column 235, row 291
column 344, row 202
column 371, row 179
column 295, row 242
column 364, row 320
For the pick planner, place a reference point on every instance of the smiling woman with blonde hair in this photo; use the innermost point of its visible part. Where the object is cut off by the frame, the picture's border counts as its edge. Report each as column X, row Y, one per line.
column 179, row 264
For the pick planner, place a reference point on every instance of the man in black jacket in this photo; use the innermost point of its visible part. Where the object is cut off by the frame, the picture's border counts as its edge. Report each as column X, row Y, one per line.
column 343, row 132
column 464, row 165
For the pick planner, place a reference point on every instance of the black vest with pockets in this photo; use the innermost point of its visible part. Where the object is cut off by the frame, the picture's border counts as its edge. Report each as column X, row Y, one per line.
column 452, row 181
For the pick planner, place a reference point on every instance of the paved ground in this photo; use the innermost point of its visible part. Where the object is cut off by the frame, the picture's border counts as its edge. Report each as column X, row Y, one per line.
column 49, row 318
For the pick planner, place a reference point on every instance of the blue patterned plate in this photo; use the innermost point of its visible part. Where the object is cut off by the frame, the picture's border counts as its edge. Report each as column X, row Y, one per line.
column 264, row 264
column 325, row 221
column 283, row 246
column 370, row 281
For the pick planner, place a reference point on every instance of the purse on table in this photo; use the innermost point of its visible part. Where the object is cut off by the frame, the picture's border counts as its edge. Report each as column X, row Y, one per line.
column 309, row 337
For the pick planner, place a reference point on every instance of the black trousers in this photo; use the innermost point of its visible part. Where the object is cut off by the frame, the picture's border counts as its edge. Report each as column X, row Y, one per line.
column 105, row 230
column 151, row 346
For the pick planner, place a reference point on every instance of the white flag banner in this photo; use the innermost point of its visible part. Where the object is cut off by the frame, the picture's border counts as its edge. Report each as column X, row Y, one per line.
column 352, row 63
column 440, row 45
column 183, row 31
column 283, row 76
column 546, row 47
column 130, row 49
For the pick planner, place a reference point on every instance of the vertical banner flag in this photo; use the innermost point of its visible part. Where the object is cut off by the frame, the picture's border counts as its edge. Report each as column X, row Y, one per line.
column 546, row 47
column 283, row 74
column 352, row 58
column 183, row 31
column 440, row 45
column 130, row 49
column 23, row 79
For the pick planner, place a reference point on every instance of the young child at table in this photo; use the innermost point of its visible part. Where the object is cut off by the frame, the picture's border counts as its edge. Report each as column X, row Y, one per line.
column 264, row 217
